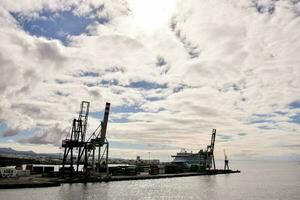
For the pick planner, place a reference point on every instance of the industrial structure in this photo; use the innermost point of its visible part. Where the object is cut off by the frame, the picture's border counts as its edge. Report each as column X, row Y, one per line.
column 226, row 162
column 79, row 150
column 86, row 160
column 204, row 159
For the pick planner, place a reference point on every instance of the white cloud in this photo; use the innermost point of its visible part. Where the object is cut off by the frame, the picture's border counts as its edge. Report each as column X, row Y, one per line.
column 224, row 63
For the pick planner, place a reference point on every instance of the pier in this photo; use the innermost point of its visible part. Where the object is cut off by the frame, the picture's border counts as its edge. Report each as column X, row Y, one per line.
column 40, row 181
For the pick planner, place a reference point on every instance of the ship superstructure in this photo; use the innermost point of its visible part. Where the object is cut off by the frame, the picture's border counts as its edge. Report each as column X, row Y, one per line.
column 204, row 158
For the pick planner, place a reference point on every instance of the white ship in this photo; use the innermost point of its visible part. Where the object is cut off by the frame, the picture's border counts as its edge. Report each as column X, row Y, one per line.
column 204, row 158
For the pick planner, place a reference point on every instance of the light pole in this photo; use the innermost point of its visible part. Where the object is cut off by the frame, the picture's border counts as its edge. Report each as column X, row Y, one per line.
column 149, row 157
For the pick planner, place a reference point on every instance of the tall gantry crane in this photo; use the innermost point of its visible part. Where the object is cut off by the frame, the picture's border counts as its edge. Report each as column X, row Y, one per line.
column 86, row 148
column 98, row 140
column 210, row 149
column 77, row 138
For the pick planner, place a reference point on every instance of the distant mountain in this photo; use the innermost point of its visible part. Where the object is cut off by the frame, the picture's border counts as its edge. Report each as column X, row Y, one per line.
column 7, row 150
column 11, row 152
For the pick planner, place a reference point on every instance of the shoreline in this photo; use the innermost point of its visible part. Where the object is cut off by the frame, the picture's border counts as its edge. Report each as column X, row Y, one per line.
column 37, row 182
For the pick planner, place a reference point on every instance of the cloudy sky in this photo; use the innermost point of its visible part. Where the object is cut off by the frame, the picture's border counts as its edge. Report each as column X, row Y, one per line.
column 172, row 70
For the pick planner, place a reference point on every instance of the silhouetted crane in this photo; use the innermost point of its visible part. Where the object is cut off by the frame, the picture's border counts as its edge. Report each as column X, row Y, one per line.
column 210, row 149
column 86, row 148
column 226, row 166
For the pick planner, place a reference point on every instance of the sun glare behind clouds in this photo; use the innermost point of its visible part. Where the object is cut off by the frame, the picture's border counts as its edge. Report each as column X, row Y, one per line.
column 151, row 15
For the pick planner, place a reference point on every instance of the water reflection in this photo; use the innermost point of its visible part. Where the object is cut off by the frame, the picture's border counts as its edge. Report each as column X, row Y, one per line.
column 257, row 181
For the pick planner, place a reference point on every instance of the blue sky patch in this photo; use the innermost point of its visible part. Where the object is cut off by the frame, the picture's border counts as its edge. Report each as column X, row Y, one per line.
column 265, row 127
column 263, row 115
column 139, row 146
column 295, row 119
column 147, row 85
column 120, row 120
column 261, row 118
column 154, row 98
column 258, row 121
column 3, row 127
column 97, row 115
column 126, row 109
column 20, row 134
column 281, row 113
column 109, row 82
column 118, row 109
column 123, row 145
column 56, row 25
column 294, row 104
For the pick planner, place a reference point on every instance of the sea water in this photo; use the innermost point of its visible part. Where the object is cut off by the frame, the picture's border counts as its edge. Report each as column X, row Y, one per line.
column 257, row 180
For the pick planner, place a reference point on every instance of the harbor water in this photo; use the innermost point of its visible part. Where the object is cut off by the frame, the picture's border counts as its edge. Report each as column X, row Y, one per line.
column 257, row 180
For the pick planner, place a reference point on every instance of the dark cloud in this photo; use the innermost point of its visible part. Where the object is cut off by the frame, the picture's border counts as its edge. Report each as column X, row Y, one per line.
column 292, row 145
column 89, row 74
column 179, row 88
column 62, row 94
column 242, row 134
column 10, row 132
column 50, row 51
column 191, row 48
column 115, row 69
column 27, row 108
column 59, row 81
column 95, row 93
column 224, row 137
column 268, row 7
column 36, row 139
column 160, row 61
column 51, row 135
column 8, row 70
column 237, row 86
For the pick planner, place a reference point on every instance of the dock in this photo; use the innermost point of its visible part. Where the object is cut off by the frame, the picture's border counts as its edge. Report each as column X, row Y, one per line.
column 159, row 176
column 39, row 181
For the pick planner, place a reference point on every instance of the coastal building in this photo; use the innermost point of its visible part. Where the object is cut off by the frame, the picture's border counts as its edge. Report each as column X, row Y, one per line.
column 7, row 172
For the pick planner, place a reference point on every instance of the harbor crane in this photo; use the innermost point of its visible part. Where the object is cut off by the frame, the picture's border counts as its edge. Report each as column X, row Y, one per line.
column 86, row 148
column 76, row 139
column 226, row 162
column 211, row 147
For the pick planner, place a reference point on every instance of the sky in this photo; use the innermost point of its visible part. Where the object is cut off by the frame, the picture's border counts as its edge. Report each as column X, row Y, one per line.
column 172, row 70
